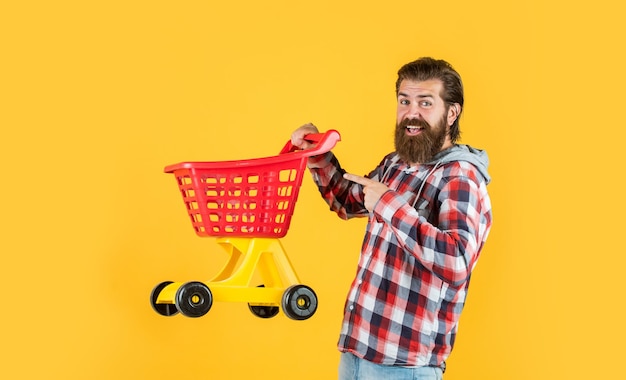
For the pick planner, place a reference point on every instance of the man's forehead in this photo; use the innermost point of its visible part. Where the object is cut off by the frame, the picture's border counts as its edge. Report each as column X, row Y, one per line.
column 428, row 87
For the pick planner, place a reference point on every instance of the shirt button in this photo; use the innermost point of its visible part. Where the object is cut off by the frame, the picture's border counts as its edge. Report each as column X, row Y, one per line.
column 351, row 307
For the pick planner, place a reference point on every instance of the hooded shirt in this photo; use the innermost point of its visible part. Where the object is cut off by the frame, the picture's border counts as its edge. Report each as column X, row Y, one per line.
column 422, row 241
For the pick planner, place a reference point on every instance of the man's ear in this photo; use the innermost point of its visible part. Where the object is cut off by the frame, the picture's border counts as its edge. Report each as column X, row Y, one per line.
column 453, row 113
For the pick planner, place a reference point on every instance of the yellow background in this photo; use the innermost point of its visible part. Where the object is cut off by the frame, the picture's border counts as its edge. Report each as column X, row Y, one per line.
column 97, row 97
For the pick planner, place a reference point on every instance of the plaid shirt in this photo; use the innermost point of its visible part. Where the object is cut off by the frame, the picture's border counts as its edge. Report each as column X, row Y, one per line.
column 422, row 241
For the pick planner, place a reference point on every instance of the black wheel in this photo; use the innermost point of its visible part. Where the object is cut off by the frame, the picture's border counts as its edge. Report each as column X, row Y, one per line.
column 264, row 311
column 166, row 309
column 299, row 302
column 194, row 299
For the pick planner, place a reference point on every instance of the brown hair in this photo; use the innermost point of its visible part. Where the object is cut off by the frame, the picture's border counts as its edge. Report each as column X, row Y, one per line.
column 426, row 68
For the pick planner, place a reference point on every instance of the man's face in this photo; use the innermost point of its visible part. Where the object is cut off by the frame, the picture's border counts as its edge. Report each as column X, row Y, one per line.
column 422, row 121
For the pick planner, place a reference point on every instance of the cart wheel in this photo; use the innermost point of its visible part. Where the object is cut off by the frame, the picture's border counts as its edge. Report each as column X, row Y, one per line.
column 264, row 311
column 194, row 299
column 166, row 309
column 299, row 302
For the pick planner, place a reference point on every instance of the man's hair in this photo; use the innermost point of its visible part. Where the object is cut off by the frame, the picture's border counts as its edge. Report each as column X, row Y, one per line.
column 426, row 68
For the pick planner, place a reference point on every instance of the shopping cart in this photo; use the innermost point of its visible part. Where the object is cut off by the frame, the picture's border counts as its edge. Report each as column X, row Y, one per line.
column 247, row 206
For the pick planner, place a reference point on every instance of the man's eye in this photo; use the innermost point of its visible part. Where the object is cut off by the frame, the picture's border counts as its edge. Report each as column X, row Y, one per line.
column 425, row 103
column 404, row 102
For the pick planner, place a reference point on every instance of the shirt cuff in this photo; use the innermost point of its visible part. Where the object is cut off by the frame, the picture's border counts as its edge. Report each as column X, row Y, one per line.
column 384, row 209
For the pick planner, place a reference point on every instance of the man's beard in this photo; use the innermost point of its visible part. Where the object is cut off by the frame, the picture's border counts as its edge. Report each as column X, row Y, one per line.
column 423, row 147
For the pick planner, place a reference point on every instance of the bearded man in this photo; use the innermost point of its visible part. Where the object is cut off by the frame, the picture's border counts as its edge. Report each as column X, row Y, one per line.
column 429, row 217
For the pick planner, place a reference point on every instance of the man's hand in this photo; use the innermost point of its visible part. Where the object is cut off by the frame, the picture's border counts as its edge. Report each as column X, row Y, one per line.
column 297, row 137
column 372, row 190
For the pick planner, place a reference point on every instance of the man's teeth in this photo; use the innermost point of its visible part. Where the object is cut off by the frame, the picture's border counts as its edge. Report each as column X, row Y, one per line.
column 413, row 129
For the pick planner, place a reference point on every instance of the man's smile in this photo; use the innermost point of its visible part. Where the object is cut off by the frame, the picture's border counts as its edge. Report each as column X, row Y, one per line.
column 412, row 130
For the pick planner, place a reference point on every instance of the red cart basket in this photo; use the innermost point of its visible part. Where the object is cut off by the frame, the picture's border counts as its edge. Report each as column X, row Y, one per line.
column 248, row 206
column 253, row 198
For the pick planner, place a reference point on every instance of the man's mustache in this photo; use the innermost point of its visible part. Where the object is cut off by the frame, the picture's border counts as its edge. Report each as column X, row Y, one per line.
column 415, row 122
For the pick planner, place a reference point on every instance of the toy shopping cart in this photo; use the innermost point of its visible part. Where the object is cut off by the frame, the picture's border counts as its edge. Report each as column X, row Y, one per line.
column 247, row 206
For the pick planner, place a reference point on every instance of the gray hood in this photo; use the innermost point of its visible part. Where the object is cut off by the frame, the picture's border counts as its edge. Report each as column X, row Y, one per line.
column 461, row 152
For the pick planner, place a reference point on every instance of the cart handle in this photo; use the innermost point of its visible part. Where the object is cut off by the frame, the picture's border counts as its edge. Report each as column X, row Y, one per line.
column 323, row 143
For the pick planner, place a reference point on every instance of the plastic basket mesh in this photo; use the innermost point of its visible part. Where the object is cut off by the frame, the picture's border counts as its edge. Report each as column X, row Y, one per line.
column 241, row 200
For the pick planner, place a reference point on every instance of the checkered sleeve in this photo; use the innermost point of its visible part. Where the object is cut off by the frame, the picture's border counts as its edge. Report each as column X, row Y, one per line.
column 450, row 248
column 344, row 197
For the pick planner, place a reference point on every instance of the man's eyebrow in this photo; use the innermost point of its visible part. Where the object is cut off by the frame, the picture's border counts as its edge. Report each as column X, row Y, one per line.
column 419, row 96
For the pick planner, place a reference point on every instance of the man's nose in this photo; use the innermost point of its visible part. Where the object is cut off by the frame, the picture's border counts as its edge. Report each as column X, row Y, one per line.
column 414, row 111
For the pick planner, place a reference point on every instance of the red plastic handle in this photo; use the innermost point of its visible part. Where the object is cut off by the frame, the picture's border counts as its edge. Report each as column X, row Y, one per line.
column 323, row 143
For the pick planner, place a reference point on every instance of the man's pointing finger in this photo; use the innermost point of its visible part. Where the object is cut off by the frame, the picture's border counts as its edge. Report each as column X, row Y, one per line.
column 358, row 179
